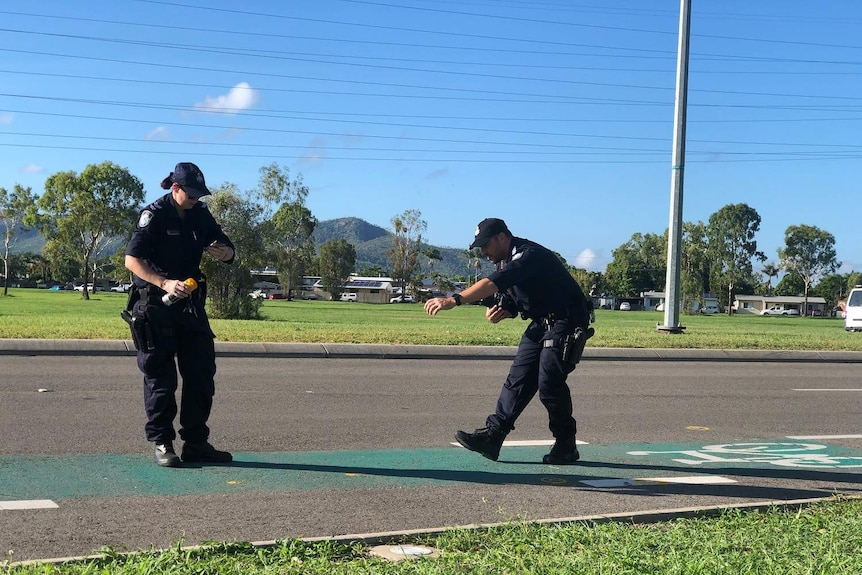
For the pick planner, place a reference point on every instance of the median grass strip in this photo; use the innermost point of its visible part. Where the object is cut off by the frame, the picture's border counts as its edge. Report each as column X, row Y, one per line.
column 43, row 314
column 824, row 538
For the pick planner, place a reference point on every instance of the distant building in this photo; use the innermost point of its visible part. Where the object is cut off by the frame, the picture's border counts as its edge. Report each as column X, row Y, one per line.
column 755, row 304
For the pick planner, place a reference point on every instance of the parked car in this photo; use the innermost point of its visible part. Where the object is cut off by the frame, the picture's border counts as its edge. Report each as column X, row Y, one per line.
column 257, row 294
column 277, row 295
column 853, row 310
column 348, row 297
column 402, row 299
column 710, row 307
column 307, row 293
column 625, row 306
column 81, row 288
column 121, row 287
column 779, row 310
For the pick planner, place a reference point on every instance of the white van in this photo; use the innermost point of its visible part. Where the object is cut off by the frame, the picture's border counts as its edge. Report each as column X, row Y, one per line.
column 853, row 310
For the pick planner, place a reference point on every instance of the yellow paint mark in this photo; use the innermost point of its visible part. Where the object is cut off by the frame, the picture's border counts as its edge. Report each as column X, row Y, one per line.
column 234, row 482
column 554, row 480
column 354, row 474
column 696, row 428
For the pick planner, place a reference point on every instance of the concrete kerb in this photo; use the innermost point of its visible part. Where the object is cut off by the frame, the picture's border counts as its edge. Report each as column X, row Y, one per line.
column 99, row 347
column 410, row 535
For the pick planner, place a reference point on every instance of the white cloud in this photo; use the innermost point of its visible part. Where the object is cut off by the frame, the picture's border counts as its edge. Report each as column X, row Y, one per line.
column 160, row 134
column 5, row 118
column 32, row 169
column 586, row 259
column 240, row 97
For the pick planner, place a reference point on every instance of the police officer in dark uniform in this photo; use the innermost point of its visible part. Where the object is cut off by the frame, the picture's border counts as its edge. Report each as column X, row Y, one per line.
column 169, row 324
column 530, row 280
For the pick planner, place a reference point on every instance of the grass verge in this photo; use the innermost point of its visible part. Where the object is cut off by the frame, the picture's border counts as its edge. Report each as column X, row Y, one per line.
column 819, row 539
column 42, row 314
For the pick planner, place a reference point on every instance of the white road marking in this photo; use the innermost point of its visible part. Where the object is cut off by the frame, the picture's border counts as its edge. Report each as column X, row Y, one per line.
column 693, row 480
column 27, row 504
column 827, row 389
column 824, row 437
column 527, row 442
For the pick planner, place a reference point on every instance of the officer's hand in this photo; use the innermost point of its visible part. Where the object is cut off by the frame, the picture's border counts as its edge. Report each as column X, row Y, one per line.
column 177, row 288
column 220, row 252
column 495, row 313
column 435, row 304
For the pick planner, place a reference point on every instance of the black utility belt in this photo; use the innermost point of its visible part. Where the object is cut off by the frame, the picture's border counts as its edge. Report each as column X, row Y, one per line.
column 154, row 295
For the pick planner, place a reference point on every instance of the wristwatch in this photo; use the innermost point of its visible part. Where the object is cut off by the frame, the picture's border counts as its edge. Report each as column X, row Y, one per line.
column 457, row 298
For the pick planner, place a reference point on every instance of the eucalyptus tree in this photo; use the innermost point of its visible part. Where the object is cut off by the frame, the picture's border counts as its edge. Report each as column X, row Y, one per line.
column 808, row 252
column 288, row 224
column 83, row 214
column 335, row 264
column 432, row 256
column 732, row 247
column 228, row 286
column 13, row 209
column 694, row 264
column 407, row 230
column 639, row 264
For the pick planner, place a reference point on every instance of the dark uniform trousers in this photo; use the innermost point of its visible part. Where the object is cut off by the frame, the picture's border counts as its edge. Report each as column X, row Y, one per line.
column 537, row 367
column 181, row 332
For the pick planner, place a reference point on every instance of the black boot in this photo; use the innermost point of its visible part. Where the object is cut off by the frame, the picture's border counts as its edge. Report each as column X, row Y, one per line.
column 486, row 441
column 204, row 453
column 564, row 452
column 165, row 455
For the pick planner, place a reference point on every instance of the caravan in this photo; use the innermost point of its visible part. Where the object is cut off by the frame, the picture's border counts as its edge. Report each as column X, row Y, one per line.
column 853, row 310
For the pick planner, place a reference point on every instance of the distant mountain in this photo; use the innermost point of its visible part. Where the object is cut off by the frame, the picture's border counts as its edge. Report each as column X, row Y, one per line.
column 372, row 245
column 24, row 240
column 354, row 230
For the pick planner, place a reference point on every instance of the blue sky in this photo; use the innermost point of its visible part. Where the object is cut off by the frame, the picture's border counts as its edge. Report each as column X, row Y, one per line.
column 554, row 115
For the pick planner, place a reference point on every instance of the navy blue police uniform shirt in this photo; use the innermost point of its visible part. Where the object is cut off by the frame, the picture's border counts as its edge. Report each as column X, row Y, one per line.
column 171, row 245
column 539, row 283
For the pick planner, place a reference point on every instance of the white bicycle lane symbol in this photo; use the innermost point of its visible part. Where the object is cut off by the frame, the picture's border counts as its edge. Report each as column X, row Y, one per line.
column 810, row 455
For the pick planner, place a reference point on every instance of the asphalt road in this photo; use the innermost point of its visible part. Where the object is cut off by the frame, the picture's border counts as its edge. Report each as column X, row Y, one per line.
column 328, row 446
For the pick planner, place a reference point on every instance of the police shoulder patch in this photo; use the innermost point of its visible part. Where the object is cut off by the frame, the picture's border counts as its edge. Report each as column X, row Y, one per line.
column 145, row 218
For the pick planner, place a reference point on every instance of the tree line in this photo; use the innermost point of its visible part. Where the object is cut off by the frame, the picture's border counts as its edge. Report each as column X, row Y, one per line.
column 720, row 257
column 86, row 219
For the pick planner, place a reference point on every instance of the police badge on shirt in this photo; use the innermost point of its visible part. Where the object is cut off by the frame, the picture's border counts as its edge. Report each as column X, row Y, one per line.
column 144, row 220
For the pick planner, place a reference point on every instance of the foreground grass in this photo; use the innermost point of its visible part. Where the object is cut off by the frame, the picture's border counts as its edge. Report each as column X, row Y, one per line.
column 821, row 539
column 40, row 314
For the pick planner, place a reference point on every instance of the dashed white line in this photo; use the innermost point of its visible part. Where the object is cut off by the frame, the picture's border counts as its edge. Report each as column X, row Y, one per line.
column 640, row 481
column 27, row 504
column 824, row 436
column 828, row 389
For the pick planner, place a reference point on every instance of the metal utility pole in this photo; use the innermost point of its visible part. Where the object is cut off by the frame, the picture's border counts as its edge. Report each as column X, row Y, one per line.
column 674, row 235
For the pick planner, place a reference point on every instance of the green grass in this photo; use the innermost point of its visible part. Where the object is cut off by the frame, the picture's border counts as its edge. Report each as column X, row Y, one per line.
column 39, row 314
column 821, row 539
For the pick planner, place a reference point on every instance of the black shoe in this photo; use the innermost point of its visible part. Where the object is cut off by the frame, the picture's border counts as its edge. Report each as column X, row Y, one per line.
column 204, row 453
column 564, row 452
column 486, row 441
column 166, row 456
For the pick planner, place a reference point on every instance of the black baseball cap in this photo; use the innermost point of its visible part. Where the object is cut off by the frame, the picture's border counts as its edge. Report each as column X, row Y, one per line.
column 488, row 228
column 190, row 178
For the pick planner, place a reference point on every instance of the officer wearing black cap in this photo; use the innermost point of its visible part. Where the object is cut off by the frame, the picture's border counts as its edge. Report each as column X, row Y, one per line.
column 169, row 324
column 530, row 280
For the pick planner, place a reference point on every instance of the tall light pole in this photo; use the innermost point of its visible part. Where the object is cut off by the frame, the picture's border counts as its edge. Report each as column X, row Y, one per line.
column 674, row 235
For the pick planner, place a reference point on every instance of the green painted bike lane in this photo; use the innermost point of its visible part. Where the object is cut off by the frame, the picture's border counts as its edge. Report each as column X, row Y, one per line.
column 58, row 477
